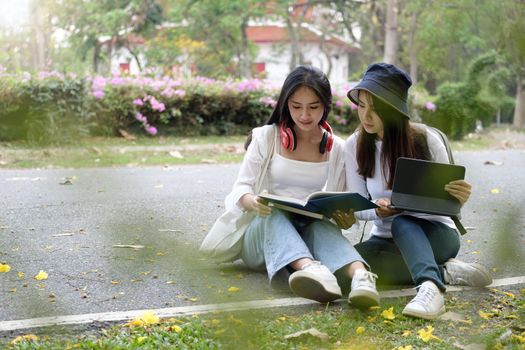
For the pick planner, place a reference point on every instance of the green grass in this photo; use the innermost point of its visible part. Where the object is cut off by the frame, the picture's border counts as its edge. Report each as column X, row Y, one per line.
column 144, row 151
column 106, row 152
column 82, row 158
column 495, row 318
column 472, row 144
column 139, row 141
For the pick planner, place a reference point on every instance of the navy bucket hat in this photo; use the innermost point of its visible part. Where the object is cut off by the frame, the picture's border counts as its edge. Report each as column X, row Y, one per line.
column 387, row 82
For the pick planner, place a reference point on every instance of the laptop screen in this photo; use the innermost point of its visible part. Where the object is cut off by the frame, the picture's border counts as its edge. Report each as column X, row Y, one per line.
column 425, row 178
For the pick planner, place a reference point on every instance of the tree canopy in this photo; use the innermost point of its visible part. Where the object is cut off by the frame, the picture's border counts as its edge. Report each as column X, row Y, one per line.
column 436, row 40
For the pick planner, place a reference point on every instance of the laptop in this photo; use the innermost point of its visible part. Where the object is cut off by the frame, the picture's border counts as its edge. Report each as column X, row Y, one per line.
column 419, row 186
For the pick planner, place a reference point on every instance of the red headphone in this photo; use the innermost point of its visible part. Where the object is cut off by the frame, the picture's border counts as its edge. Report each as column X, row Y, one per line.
column 289, row 139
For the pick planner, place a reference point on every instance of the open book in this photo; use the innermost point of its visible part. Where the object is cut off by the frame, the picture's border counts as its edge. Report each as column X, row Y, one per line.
column 320, row 204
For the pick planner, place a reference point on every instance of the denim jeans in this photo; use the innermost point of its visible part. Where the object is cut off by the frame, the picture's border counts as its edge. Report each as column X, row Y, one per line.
column 271, row 243
column 415, row 253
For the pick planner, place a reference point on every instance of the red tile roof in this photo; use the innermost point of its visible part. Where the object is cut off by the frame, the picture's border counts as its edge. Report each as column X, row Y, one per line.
column 278, row 34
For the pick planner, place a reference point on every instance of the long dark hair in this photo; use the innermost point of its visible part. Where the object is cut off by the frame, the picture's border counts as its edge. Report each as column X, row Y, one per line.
column 307, row 76
column 400, row 139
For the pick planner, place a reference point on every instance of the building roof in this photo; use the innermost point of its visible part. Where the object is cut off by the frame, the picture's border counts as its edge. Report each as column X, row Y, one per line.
column 274, row 34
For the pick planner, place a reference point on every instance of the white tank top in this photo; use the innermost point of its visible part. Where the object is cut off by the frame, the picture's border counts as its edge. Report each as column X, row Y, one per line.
column 294, row 178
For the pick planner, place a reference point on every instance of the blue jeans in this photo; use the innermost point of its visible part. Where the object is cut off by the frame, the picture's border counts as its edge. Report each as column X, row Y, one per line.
column 415, row 253
column 271, row 243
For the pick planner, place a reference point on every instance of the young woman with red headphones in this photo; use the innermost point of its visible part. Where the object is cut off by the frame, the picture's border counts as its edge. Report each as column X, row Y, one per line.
column 298, row 154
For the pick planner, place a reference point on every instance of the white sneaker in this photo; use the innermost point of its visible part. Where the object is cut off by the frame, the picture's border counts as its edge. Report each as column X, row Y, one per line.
column 363, row 293
column 461, row 273
column 428, row 303
column 315, row 282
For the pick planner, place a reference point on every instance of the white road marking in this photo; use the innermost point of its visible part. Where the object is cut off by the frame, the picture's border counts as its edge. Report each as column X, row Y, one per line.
column 203, row 309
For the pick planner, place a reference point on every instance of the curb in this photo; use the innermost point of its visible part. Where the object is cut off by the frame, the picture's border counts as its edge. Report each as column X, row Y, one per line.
column 204, row 309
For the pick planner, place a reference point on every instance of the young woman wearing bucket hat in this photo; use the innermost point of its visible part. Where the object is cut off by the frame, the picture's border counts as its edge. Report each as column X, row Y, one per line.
column 404, row 247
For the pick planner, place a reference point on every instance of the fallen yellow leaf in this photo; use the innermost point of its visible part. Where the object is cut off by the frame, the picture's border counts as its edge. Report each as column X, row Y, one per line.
column 426, row 335
column 233, row 289
column 235, row 320
column 5, row 268
column 141, row 340
column 41, row 275
column 360, row 330
column 486, row 315
column 27, row 337
column 494, row 191
column 149, row 317
column 519, row 338
column 406, row 333
column 407, row 347
column 466, row 321
column 175, row 328
column 137, row 322
column 20, row 274
column 388, row 314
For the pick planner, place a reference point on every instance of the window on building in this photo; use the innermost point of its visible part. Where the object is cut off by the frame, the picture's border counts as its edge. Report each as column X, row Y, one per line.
column 124, row 68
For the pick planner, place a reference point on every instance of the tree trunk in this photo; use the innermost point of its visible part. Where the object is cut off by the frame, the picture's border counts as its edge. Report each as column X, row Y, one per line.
column 38, row 37
column 519, row 111
column 328, row 55
column 412, row 48
column 391, row 35
column 135, row 57
column 294, row 44
column 96, row 57
column 294, row 30
column 244, row 56
column 341, row 7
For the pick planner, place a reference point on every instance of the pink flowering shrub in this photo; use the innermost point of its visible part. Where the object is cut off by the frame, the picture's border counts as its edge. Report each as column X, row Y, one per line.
column 165, row 105
column 148, row 105
column 344, row 112
column 430, row 106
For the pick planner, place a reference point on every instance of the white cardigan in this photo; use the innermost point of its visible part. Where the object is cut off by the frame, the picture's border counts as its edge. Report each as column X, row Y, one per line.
column 262, row 138
column 224, row 240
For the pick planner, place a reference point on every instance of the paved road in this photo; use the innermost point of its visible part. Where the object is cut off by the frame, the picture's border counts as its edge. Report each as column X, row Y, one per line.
column 72, row 232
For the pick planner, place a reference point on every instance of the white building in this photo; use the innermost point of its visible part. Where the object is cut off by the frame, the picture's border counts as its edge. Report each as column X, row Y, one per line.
column 275, row 52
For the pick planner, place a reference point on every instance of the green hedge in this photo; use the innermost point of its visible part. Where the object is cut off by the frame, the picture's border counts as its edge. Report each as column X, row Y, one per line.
column 55, row 108
column 42, row 110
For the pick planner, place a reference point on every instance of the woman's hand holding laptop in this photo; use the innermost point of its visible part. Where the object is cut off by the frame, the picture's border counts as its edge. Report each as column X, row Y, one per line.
column 459, row 189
